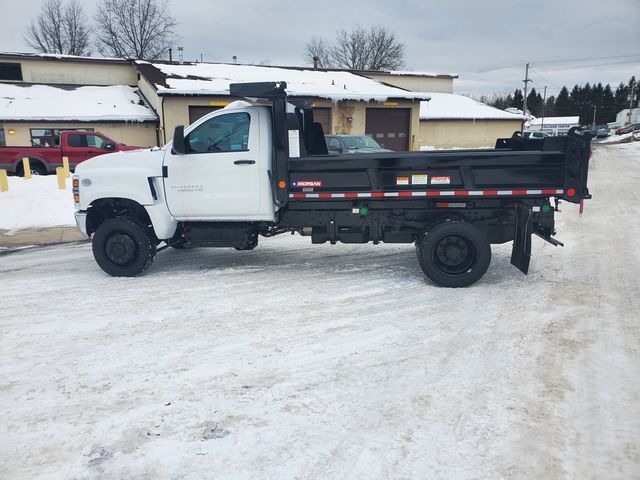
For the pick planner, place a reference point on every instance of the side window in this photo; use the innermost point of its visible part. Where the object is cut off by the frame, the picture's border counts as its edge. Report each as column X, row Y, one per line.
column 334, row 144
column 3, row 141
column 96, row 142
column 77, row 140
column 225, row 133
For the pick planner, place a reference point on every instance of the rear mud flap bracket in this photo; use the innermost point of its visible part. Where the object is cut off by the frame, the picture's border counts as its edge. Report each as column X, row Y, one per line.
column 521, row 252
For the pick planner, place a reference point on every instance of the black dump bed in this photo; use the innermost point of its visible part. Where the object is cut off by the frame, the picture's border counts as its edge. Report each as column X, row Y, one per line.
column 516, row 167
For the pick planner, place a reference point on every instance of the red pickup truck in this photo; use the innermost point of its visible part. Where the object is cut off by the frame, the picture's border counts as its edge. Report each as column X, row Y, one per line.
column 76, row 145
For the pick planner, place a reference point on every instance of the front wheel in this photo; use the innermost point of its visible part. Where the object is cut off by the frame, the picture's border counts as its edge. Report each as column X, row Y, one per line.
column 454, row 254
column 124, row 247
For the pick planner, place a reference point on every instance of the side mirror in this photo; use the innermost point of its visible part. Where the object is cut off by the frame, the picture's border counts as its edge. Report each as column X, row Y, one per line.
column 110, row 147
column 179, row 146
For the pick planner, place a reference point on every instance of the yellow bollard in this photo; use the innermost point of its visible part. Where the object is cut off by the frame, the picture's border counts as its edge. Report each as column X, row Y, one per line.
column 26, row 167
column 4, row 182
column 65, row 164
column 61, row 173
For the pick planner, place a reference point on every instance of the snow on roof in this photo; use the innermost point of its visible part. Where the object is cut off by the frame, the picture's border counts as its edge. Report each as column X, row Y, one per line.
column 214, row 79
column 60, row 56
column 449, row 106
column 548, row 121
column 84, row 104
column 421, row 74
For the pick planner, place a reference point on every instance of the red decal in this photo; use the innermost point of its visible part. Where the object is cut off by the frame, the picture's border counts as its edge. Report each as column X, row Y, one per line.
column 461, row 193
column 404, row 194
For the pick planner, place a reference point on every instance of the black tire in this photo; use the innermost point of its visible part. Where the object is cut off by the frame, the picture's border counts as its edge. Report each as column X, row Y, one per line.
column 36, row 169
column 253, row 243
column 454, row 254
column 124, row 247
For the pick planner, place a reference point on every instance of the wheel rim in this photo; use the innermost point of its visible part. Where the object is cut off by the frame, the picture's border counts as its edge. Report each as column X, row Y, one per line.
column 121, row 249
column 454, row 255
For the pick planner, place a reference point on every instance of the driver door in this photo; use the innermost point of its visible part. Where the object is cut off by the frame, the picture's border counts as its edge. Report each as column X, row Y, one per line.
column 218, row 176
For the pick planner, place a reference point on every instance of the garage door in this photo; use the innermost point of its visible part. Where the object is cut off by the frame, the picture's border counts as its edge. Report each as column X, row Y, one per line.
column 197, row 112
column 389, row 127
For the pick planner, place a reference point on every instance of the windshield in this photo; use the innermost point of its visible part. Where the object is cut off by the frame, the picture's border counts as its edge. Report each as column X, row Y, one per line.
column 354, row 143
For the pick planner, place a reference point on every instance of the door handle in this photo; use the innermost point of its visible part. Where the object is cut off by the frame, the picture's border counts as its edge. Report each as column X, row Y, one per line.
column 244, row 162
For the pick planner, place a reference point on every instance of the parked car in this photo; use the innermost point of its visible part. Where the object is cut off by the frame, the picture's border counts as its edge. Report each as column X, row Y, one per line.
column 538, row 135
column 632, row 127
column 76, row 145
column 602, row 133
column 352, row 144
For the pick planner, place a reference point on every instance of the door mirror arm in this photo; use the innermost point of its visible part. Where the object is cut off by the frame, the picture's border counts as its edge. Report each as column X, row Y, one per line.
column 179, row 145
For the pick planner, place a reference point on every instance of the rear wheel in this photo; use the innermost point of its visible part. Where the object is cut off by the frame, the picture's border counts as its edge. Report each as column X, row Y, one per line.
column 36, row 169
column 124, row 247
column 454, row 254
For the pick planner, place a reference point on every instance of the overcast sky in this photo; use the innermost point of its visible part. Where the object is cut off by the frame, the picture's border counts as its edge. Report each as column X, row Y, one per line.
column 486, row 42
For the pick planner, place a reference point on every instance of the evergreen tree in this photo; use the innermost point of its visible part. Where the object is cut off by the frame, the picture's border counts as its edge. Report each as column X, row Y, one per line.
column 562, row 104
column 534, row 103
column 550, row 107
column 518, row 99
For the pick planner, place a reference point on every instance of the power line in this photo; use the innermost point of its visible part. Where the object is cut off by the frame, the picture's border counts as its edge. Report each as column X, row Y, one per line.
column 503, row 67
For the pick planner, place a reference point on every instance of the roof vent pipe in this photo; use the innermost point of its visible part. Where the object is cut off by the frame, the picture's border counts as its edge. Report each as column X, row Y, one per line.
column 315, row 62
column 171, row 55
column 180, row 50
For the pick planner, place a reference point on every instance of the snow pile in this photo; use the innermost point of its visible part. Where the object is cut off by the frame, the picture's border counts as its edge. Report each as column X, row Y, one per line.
column 449, row 106
column 35, row 203
column 624, row 138
column 214, row 79
column 42, row 102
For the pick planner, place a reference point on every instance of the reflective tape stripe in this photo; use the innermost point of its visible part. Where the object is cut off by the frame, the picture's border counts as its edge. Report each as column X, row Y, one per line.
column 431, row 193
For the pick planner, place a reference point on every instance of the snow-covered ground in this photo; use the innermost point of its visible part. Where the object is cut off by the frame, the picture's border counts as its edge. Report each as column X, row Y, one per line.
column 327, row 362
column 35, row 203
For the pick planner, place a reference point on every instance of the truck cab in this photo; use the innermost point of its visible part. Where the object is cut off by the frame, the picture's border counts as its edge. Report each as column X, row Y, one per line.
column 222, row 175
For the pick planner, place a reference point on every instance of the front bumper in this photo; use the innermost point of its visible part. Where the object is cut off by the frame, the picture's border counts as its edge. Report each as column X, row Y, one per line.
column 81, row 223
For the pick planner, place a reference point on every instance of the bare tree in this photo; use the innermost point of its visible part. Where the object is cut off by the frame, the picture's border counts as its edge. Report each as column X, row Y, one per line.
column 141, row 29
column 375, row 48
column 59, row 28
column 317, row 48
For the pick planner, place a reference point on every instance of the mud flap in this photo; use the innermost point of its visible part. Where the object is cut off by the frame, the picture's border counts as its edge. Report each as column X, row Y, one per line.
column 521, row 252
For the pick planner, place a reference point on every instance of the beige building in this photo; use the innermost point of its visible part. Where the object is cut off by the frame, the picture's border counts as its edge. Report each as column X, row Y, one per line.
column 455, row 121
column 343, row 102
column 40, row 95
column 388, row 106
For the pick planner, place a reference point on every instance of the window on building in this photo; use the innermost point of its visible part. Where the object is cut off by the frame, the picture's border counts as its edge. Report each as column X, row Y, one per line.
column 50, row 137
column 225, row 133
column 3, row 141
column 10, row 71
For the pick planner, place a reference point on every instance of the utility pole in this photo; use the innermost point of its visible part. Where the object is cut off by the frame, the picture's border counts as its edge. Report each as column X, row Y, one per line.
column 544, row 104
column 526, row 81
column 631, row 98
column 594, row 117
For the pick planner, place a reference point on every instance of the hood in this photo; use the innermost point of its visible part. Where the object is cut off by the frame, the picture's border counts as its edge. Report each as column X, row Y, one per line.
column 119, row 175
column 147, row 161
